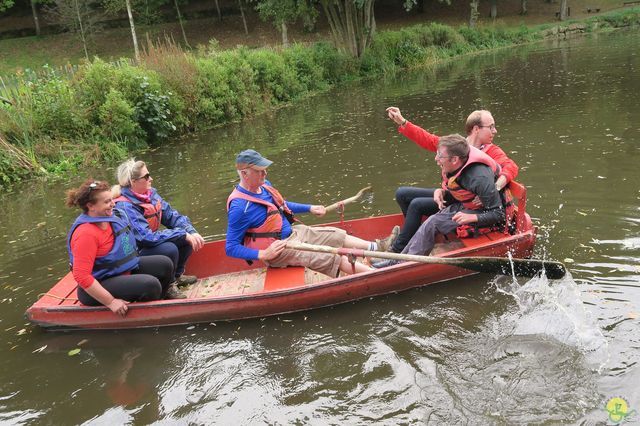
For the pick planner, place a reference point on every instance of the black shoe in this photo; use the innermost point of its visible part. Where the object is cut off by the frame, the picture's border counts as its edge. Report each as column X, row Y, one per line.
column 384, row 263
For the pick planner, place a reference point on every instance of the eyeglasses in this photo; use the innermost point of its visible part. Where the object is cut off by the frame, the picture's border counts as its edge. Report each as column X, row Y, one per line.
column 438, row 155
column 145, row 177
column 491, row 126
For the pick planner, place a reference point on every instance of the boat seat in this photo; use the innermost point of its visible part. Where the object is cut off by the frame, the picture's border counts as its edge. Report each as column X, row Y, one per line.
column 283, row 278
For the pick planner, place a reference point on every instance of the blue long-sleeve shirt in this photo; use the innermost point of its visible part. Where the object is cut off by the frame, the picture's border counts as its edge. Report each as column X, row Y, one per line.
column 177, row 225
column 244, row 215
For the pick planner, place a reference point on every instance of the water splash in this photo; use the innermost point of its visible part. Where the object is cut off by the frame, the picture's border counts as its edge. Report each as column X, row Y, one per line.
column 555, row 309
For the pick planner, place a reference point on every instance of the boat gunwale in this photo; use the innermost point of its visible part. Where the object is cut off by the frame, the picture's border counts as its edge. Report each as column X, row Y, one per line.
column 338, row 281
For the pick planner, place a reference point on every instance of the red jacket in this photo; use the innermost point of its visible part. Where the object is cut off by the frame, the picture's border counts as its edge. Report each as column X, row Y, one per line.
column 424, row 139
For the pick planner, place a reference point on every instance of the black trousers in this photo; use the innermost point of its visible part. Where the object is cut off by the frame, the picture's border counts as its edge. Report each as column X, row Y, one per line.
column 415, row 203
column 177, row 250
column 148, row 282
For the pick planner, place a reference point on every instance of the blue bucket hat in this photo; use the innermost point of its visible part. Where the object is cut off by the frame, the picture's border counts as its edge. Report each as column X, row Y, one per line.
column 249, row 157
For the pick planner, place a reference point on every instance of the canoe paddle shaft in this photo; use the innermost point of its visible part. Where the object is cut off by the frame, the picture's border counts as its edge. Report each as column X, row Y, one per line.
column 492, row 265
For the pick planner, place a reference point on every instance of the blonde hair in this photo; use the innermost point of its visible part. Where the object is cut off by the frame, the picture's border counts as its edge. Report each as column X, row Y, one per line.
column 127, row 172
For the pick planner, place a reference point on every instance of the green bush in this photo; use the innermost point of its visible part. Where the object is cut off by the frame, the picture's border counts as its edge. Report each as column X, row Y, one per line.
column 53, row 107
column 226, row 88
column 309, row 72
column 276, row 80
column 118, row 118
column 336, row 66
column 154, row 107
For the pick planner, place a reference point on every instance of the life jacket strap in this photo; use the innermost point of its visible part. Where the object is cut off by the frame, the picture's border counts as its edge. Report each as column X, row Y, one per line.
column 113, row 265
column 254, row 235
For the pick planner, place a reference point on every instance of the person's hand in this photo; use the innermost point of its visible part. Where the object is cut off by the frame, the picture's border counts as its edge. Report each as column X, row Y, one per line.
column 196, row 241
column 438, row 197
column 118, row 307
column 464, row 218
column 501, row 182
column 394, row 114
column 273, row 251
column 318, row 210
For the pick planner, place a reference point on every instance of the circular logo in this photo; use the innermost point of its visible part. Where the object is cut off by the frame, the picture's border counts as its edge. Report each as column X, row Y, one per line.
column 618, row 409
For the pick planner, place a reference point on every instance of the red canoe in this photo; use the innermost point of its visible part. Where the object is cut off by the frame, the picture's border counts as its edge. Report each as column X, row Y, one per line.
column 229, row 289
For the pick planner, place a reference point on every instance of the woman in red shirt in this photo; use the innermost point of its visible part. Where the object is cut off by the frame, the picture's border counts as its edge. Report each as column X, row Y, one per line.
column 103, row 255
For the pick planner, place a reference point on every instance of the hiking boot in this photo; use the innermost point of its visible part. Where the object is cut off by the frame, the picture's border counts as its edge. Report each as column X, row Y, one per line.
column 174, row 293
column 385, row 244
column 184, row 280
column 384, row 263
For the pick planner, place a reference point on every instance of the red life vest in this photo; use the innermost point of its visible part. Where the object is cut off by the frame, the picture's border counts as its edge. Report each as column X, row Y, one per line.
column 468, row 199
column 151, row 212
column 261, row 237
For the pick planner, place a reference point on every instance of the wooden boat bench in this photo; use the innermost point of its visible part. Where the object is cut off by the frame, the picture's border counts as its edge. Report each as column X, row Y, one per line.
column 63, row 294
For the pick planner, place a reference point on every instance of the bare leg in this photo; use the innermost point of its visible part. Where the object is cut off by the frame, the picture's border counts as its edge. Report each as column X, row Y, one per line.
column 354, row 242
column 345, row 266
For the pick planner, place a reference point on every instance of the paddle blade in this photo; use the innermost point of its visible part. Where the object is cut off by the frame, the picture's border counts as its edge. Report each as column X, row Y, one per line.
column 519, row 267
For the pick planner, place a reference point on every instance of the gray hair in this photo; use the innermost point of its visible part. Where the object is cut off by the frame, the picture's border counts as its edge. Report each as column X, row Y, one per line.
column 129, row 171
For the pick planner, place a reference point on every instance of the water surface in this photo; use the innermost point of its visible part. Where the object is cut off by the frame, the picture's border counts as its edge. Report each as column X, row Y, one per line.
column 482, row 350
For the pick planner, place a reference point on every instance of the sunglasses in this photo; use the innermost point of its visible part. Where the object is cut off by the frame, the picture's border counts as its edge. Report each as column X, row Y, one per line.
column 145, row 177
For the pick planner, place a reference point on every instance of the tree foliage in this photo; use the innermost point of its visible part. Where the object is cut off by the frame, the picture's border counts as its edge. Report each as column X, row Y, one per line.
column 80, row 17
column 283, row 13
column 6, row 4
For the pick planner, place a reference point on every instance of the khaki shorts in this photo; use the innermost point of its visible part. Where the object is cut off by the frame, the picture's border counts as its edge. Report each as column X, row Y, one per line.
column 324, row 263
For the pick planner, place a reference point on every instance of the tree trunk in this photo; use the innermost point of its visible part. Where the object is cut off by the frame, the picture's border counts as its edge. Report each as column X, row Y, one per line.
column 285, row 37
column 184, row 35
column 563, row 10
column 244, row 19
column 133, row 31
column 218, row 9
column 473, row 18
column 352, row 24
column 493, row 14
column 36, row 18
column 523, row 7
column 81, row 27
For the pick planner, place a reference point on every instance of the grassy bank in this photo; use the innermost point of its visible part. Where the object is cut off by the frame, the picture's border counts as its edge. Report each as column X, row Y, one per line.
column 102, row 111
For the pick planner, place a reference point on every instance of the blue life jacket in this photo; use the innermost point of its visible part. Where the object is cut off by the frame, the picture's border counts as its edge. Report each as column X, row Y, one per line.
column 123, row 256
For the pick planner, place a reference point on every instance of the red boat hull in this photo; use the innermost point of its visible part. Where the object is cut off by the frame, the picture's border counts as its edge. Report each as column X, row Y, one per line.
column 58, row 309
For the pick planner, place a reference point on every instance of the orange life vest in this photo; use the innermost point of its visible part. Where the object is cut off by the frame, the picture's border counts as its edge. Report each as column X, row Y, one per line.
column 151, row 212
column 261, row 237
column 468, row 199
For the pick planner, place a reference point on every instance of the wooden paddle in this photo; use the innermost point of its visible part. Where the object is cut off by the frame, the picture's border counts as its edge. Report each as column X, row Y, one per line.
column 491, row 265
column 334, row 206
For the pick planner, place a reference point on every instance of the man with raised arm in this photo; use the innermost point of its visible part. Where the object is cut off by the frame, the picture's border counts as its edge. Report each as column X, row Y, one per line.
column 417, row 202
